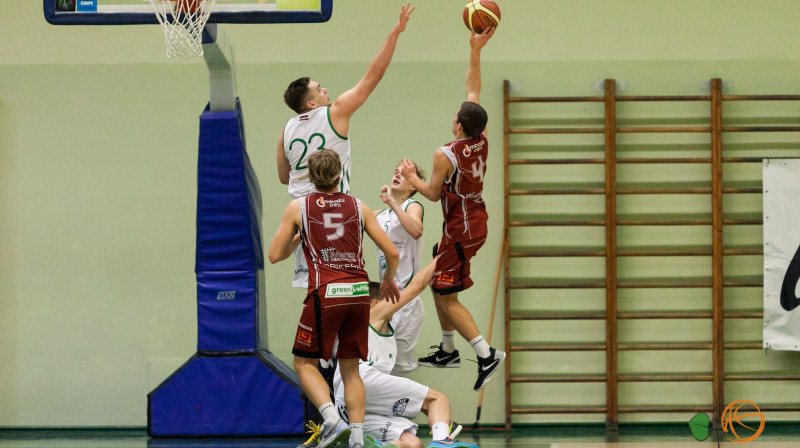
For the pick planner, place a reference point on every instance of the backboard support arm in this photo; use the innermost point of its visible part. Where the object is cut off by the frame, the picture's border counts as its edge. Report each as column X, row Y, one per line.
column 218, row 54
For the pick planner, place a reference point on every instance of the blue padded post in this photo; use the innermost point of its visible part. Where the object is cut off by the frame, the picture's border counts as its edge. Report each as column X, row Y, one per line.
column 228, row 197
column 232, row 386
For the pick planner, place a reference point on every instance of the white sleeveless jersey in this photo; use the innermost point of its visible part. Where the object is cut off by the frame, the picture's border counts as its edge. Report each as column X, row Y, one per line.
column 304, row 134
column 382, row 352
column 410, row 249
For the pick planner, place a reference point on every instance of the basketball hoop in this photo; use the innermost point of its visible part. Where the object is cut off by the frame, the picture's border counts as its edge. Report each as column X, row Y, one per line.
column 182, row 22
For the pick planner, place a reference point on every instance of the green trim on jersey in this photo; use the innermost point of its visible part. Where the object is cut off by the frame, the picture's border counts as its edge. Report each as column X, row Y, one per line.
column 409, row 281
column 334, row 131
column 391, row 331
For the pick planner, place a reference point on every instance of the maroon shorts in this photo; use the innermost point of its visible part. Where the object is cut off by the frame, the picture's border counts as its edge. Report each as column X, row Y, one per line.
column 325, row 318
column 452, row 267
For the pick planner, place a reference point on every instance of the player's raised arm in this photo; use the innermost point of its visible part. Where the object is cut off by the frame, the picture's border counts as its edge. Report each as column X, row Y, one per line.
column 389, row 290
column 442, row 168
column 348, row 102
column 476, row 43
column 286, row 239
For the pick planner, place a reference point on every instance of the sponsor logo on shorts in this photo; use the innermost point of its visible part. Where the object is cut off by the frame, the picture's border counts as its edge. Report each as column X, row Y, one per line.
column 400, row 406
column 226, row 295
column 304, row 337
column 445, row 277
column 347, row 289
column 384, row 432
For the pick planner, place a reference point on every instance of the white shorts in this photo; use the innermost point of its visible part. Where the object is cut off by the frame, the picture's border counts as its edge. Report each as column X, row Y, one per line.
column 300, row 278
column 391, row 401
column 407, row 324
column 388, row 428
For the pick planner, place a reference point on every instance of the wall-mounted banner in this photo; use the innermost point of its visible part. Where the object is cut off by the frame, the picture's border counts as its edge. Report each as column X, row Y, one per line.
column 782, row 254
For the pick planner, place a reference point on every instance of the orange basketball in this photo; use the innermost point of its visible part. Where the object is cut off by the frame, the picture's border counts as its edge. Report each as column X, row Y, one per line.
column 481, row 14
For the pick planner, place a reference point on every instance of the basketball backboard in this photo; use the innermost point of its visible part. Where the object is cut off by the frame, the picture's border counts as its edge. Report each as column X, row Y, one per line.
column 140, row 12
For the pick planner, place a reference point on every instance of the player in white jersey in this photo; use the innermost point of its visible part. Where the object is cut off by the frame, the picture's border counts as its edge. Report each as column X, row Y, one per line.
column 392, row 401
column 324, row 124
column 402, row 222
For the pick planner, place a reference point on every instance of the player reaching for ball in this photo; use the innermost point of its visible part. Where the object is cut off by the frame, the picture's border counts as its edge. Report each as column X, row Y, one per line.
column 324, row 124
column 457, row 178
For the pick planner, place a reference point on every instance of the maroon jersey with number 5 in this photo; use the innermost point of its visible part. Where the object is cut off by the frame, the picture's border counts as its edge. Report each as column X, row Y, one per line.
column 332, row 238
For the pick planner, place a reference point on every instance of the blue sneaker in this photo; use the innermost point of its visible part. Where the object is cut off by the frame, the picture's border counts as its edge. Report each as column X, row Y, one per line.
column 450, row 443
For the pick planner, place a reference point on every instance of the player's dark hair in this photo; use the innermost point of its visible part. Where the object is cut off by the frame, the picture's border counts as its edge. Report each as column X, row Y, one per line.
column 473, row 118
column 324, row 169
column 374, row 290
column 296, row 94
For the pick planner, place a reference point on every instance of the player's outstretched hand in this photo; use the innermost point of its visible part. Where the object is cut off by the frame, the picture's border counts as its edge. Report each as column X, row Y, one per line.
column 405, row 13
column 478, row 41
column 389, row 291
column 407, row 169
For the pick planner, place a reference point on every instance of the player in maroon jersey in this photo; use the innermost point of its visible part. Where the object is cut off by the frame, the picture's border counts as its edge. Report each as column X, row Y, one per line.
column 459, row 168
column 330, row 227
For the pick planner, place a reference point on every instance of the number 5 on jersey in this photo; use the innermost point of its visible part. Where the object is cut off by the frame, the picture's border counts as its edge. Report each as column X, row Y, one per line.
column 328, row 220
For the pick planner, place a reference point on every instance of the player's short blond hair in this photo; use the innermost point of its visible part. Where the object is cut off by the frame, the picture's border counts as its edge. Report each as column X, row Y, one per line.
column 324, row 169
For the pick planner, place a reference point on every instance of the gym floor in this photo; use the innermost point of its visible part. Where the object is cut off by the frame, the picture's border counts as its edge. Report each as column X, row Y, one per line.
column 562, row 436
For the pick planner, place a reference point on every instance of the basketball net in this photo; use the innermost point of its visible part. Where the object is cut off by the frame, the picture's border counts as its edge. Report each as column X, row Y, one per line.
column 182, row 22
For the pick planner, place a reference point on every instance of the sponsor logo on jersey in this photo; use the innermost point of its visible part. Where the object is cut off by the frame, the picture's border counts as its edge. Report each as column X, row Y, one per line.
column 347, row 289
column 321, row 202
column 330, row 254
column 400, row 406
column 469, row 149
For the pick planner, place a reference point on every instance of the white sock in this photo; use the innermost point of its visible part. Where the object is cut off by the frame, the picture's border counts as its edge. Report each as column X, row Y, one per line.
column 328, row 412
column 480, row 346
column 448, row 341
column 440, row 431
column 356, row 433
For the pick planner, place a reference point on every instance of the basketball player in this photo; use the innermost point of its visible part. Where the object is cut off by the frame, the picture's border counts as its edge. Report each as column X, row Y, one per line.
column 402, row 221
column 325, row 124
column 392, row 401
column 330, row 225
column 459, row 168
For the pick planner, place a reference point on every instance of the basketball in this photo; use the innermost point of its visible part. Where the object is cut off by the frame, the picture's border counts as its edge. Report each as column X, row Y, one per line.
column 481, row 14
